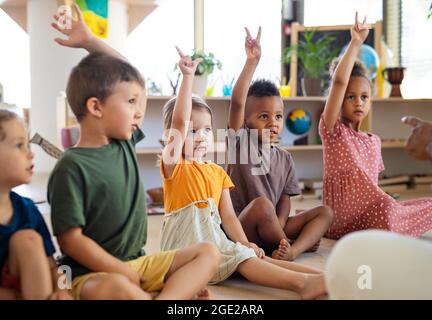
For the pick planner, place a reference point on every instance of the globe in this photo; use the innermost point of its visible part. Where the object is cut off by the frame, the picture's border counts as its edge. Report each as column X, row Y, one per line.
column 298, row 121
column 369, row 57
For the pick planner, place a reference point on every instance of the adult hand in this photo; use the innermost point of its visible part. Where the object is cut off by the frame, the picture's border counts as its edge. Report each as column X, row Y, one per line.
column 420, row 138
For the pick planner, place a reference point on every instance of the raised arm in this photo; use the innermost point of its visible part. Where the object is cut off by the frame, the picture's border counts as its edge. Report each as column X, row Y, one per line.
column 340, row 80
column 80, row 36
column 181, row 115
column 239, row 95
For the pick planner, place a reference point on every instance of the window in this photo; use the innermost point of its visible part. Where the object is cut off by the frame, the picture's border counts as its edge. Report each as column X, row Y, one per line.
column 151, row 46
column 224, row 36
column 416, row 49
column 14, row 62
column 337, row 12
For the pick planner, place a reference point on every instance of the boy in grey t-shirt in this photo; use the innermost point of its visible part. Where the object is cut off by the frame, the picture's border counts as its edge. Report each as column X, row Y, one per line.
column 263, row 173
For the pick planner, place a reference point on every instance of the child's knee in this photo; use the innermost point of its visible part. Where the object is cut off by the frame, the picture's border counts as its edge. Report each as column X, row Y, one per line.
column 327, row 213
column 210, row 250
column 116, row 284
column 264, row 207
column 26, row 238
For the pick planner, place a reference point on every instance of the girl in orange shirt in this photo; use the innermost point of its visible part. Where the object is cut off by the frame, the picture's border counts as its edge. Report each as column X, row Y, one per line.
column 197, row 199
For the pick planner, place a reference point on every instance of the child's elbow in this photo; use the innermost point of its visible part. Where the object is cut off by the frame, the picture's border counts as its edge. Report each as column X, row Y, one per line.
column 339, row 82
column 68, row 240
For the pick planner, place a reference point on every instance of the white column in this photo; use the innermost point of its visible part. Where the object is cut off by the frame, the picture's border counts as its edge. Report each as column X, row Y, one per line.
column 118, row 22
column 199, row 24
column 50, row 66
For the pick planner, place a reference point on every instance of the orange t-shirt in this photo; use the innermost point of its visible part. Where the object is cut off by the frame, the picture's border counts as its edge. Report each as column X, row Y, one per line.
column 193, row 181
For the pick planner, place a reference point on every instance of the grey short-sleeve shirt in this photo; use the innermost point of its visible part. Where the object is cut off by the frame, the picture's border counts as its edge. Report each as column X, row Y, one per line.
column 254, row 174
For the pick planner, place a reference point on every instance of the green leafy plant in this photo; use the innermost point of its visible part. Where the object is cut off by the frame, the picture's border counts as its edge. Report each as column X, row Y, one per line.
column 430, row 11
column 208, row 64
column 313, row 55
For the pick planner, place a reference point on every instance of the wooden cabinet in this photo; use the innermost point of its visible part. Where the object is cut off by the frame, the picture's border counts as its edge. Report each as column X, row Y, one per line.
column 384, row 118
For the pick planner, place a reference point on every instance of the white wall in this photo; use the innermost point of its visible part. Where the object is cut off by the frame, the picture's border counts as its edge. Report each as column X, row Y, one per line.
column 50, row 66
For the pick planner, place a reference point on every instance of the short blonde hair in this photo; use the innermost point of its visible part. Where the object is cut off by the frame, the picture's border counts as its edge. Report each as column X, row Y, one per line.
column 197, row 103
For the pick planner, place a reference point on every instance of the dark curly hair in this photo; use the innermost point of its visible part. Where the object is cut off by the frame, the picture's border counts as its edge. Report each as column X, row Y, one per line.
column 358, row 70
column 263, row 88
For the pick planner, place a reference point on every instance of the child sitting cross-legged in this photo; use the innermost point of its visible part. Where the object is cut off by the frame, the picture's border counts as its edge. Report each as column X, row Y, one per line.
column 96, row 194
column 196, row 210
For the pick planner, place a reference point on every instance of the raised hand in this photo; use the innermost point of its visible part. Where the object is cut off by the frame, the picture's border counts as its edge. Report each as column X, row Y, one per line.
column 79, row 35
column 253, row 46
column 359, row 31
column 186, row 64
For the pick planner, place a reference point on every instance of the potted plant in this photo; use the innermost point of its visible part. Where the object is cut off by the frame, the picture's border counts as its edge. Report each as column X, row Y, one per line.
column 204, row 69
column 314, row 57
column 430, row 11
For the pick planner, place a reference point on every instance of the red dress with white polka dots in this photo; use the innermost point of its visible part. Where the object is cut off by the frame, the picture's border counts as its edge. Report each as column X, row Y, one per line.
column 352, row 163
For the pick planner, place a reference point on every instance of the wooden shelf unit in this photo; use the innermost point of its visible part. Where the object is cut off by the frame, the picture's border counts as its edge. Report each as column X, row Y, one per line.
column 385, row 118
column 385, row 145
column 303, row 99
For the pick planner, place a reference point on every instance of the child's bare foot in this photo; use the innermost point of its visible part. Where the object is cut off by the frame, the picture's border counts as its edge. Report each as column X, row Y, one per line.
column 203, row 294
column 314, row 287
column 284, row 252
column 315, row 247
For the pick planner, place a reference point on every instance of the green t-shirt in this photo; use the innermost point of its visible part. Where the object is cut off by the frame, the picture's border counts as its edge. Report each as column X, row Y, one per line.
column 100, row 190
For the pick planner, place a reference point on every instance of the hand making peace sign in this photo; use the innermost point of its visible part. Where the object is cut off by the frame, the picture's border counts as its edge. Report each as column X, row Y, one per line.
column 253, row 46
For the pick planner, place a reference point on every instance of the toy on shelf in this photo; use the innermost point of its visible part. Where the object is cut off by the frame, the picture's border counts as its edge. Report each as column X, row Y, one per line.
column 285, row 89
column 394, row 76
column 227, row 88
column 299, row 122
column 370, row 59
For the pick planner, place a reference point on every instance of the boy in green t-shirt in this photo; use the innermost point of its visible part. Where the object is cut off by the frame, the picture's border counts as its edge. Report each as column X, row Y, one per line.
column 96, row 195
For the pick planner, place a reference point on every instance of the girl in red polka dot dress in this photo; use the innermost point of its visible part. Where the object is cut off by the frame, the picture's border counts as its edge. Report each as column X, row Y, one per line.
column 353, row 161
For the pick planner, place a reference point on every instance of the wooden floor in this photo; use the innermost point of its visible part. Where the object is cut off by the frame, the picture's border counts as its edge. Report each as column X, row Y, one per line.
column 238, row 288
column 235, row 287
